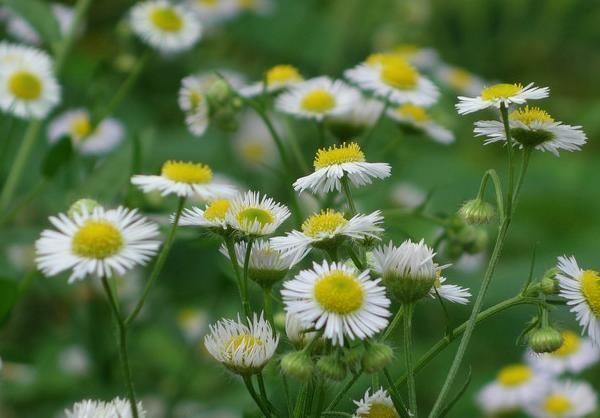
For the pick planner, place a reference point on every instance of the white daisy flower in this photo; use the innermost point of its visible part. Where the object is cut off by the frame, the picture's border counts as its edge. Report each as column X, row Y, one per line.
column 213, row 12
column 165, row 26
column 498, row 94
column 28, row 86
column 297, row 332
column 101, row 242
column 392, row 77
column 407, row 195
column 316, row 98
column 328, row 229
column 21, row 30
column 98, row 409
column 515, row 386
column 450, row 292
column 459, row 80
column 192, row 322
column 377, row 404
column 185, row 179
column 420, row 57
column 566, row 399
column 333, row 163
column 363, row 114
column 243, row 347
column 212, row 216
column 105, row 137
column 252, row 214
column 277, row 78
column 339, row 300
column 575, row 355
column 531, row 126
column 253, row 142
column 417, row 118
column 581, row 288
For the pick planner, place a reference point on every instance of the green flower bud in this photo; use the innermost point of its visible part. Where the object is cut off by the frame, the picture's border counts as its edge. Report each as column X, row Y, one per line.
column 545, row 340
column 279, row 320
column 266, row 278
column 408, row 289
column 549, row 283
column 376, row 357
column 477, row 211
column 82, row 206
column 332, row 367
column 352, row 357
column 297, row 364
column 219, row 93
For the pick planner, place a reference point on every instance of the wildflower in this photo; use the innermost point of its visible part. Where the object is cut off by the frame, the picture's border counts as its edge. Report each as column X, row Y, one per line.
column 339, row 300
column 213, row 12
column 296, row 331
column 101, row 242
column 459, row 79
column 566, row 399
column 253, row 142
column 116, row 408
column 362, row 115
column 21, row 30
column 277, row 78
column 192, row 101
column 407, row 195
column 297, row 364
column 377, row 356
column 211, row 217
column 332, row 367
column 545, row 339
column 421, row 57
column 377, row 404
column 333, row 163
column 415, row 118
column 192, row 323
column 254, row 215
column 477, row 211
column 500, row 94
column 450, row 292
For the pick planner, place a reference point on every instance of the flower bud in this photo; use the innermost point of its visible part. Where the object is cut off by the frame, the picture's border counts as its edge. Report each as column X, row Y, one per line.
column 219, row 93
column 376, row 357
column 332, row 367
column 297, row 364
column 549, row 284
column 545, row 340
column 352, row 357
column 82, row 206
column 477, row 211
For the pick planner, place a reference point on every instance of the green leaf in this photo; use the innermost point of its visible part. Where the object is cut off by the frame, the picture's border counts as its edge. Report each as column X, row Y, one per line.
column 39, row 15
column 58, row 155
column 9, row 291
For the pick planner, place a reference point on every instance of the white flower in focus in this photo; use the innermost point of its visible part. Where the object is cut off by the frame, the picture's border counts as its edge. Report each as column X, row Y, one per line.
column 252, row 214
column 212, row 216
column 277, row 78
column 118, row 407
column 566, row 399
column 417, row 118
column 498, row 94
column 376, row 404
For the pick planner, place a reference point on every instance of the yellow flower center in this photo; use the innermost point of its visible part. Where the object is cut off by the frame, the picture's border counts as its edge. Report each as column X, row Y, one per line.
column 245, row 342
column 339, row 292
column 186, row 172
column 247, row 4
column 25, row 85
column 167, row 19
column 195, row 99
column 254, row 151
column 571, row 344
column 399, row 74
column 529, row 115
column 514, row 375
column 379, row 410
column 500, row 91
column 325, row 222
column 216, row 210
column 97, row 239
column 80, row 126
column 282, row 74
column 590, row 287
column 406, row 50
column 557, row 404
column 459, row 78
column 416, row 113
column 385, row 58
column 348, row 152
column 318, row 101
column 250, row 215
column 186, row 315
column 210, row 3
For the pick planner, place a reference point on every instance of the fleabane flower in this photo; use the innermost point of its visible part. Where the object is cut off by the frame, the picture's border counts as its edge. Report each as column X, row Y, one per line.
column 89, row 140
column 253, row 142
column 574, row 355
column 28, row 86
column 98, row 242
column 192, row 101
column 211, row 217
column 363, row 114
column 515, row 386
column 21, row 30
column 327, row 230
column 213, row 12
column 317, row 98
column 253, row 215
column 375, row 405
column 581, row 288
column 450, row 292
column 99, row 409
column 277, row 78
column 297, row 332
column 459, row 80
column 339, row 300
column 392, row 77
column 244, row 347
column 534, row 127
column 500, row 94
column 416, row 118
column 168, row 27
column 184, row 179
column 336, row 162
column 566, row 399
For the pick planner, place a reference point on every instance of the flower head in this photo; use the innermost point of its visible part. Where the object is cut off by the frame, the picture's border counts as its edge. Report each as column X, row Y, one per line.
column 363, row 114
column 375, row 405
column 98, row 409
column 416, row 118
column 566, row 399
column 501, row 94
column 212, row 216
column 459, row 80
column 252, row 214
column 277, row 78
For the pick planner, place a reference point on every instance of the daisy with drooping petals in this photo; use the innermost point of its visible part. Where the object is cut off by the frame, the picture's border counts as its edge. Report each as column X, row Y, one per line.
column 450, row 292
column 377, row 404
column 500, row 94
column 89, row 140
column 414, row 117
column 333, row 163
column 317, row 99
column 98, row 409
column 574, row 355
column 566, row 399
column 328, row 229
column 392, row 77
column 98, row 242
column 165, row 26
column 243, row 347
column 515, row 386
column 533, row 127
column 339, row 300
column 212, row 216
column 184, row 179
column 251, row 214
column 581, row 288
column 277, row 78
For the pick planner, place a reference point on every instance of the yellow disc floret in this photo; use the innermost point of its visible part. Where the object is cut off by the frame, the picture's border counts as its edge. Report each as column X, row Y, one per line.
column 500, row 91
column 339, row 292
column 186, row 172
column 318, row 101
column 514, row 375
column 25, row 85
column 166, row 18
column 97, row 239
column 80, row 126
column 399, row 74
column 254, row 151
column 243, row 342
column 413, row 112
column 570, row 345
column 281, row 74
column 529, row 115
column 216, row 210
column 348, row 152
column 250, row 215
column 590, row 287
column 557, row 404
column 459, row 78
column 379, row 410
column 325, row 222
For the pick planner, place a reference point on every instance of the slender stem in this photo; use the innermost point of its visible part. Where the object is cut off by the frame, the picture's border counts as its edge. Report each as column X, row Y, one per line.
column 491, row 174
column 267, row 121
column 124, row 356
column 342, row 392
column 396, row 398
column 158, row 265
column 369, row 133
column 348, row 194
column 286, row 389
column 412, row 391
column 393, row 324
column 300, row 401
column 355, row 259
column 263, row 393
column 245, row 301
column 255, row 396
column 522, row 172
column 509, row 146
column 236, row 269
column 268, row 305
column 316, row 413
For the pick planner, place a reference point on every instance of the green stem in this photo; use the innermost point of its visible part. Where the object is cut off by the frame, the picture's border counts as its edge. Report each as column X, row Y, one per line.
column 348, row 194
column 396, row 398
column 268, row 305
column 509, row 147
column 336, row 400
column 393, row 324
column 491, row 174
column 158, row 265
column 412, row 391
column 255, row 396
column 263, row 393
column 276, row 138
column 522, row 172
column 245, row 301
column 238, row 275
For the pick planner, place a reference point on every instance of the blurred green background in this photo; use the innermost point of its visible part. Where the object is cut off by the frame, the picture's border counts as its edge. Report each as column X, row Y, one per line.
column 550, row 42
